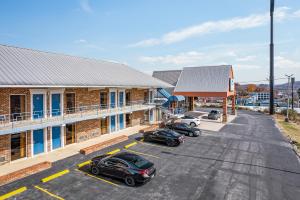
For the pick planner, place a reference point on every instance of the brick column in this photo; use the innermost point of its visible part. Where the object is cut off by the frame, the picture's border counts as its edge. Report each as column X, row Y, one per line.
column 233, row 105
column 224, row 110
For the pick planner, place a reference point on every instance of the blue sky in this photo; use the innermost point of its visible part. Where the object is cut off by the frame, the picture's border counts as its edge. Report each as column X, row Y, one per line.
column 160, row 34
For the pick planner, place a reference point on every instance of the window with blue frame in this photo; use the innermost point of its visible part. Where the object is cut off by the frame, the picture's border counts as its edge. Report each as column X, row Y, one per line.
column 56, row 137
column 121, row 121
column 38, row 141
column 112, row 123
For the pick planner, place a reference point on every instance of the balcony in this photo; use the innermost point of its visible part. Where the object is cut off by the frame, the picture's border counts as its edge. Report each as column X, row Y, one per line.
column 19, row 122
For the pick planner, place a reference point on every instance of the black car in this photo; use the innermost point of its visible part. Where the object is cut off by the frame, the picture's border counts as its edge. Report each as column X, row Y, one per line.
column 214, row 114
column 184, row 128
column 167, row 136
column 129, row 167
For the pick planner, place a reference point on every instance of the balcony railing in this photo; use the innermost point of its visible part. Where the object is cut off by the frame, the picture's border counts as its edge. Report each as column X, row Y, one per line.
column 25, row 121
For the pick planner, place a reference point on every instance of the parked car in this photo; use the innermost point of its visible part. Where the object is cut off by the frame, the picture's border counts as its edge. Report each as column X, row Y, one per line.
column 214, row 114
column 184, row 128
column 129, row 167
column 167, row 136
column 193, row 121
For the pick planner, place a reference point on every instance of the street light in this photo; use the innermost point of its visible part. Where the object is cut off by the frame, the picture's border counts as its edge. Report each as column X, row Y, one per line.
column 271, row 109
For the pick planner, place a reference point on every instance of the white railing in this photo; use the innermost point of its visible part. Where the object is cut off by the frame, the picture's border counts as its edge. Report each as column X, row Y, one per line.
column 70, row 115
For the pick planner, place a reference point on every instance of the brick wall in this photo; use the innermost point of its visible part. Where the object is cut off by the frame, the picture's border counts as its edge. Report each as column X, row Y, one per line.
column 83, row 97
column 137, row 118
column 137, row 94
column 87, row 130
column 5, row 98
column 29, row 144
column 4, row 148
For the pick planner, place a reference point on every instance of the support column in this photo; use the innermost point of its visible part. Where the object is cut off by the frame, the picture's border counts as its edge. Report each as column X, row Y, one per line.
column 233, row 105
column 224, row 119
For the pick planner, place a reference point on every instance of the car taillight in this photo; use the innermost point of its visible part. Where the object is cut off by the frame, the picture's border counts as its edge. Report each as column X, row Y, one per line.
column 144, row 171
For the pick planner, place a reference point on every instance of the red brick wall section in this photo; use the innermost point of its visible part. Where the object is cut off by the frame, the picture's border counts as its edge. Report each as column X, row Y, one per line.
column 5, row 98
column 137, row 118
column 4, row 149
column 137, row 94
column 49, row 141
column 88, row 129
column 24, row 172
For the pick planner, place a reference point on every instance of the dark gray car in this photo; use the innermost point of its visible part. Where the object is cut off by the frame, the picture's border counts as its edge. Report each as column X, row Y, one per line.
column 214, row 114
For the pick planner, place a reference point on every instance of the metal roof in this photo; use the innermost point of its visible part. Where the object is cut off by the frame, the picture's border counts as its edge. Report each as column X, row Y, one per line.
column 169, row 76
column 27, row 67
column 204, row 79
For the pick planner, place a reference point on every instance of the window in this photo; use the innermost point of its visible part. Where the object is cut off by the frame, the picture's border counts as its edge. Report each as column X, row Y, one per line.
column 17, row 107
column 103, row 100
column 70, row 102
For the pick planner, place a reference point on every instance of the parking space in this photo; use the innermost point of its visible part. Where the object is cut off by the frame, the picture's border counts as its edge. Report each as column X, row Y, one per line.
column 216, row 165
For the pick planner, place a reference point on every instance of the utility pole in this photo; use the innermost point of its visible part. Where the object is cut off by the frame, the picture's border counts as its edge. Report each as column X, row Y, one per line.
column 271, row 108
column 288, row 95
column 293, row 81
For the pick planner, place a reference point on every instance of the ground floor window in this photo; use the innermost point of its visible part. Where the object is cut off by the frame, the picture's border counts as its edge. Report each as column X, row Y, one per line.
column 38, row 141
column 104, row 125
column 128, row 120
column 70, row 134
column 151, row 116
column 18, row 146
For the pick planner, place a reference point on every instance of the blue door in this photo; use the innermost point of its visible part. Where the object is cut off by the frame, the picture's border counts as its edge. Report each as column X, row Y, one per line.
column 38, row 106
column 113, row 99
column 38, row 141
column 56, row 140
column 121, row 99
column 121, row 120
column 55, row 104
column 112, row 123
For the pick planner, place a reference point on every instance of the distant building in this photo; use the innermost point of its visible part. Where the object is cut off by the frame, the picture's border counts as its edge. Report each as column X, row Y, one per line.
column 260, row 96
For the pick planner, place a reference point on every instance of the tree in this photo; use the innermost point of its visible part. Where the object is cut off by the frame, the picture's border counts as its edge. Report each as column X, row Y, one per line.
column 251, row 88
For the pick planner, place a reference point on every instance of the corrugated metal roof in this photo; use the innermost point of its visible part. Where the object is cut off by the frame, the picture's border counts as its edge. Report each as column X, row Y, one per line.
column 26, row 67
column 204, row 79
column 169, row 76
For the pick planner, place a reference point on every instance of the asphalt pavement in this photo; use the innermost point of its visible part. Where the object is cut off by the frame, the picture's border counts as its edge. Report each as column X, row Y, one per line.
column 247, row 159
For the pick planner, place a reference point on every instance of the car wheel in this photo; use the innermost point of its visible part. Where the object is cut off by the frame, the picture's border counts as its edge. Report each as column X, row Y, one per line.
column 193, row 124
column 95, row 170
column 129, row 180
column 170, row 143
column 191, row 134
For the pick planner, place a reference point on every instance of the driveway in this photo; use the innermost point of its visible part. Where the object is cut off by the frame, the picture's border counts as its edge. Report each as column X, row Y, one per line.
column 246, row 159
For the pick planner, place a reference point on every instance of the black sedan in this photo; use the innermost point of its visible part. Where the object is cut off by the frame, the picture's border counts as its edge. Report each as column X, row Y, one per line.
column 185, row 129
column 167, row 136
column 129, row 167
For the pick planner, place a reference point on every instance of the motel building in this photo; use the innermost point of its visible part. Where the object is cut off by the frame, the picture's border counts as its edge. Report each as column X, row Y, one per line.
column 50, row 100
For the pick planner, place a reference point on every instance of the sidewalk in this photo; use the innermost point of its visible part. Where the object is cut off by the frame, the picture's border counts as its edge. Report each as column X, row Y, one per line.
column 65, row 152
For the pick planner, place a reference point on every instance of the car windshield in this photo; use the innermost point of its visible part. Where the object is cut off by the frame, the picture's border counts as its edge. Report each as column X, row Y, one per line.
column 183, row 125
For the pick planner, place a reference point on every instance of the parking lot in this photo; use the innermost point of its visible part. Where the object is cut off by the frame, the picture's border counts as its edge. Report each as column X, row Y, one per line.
column 216, row 165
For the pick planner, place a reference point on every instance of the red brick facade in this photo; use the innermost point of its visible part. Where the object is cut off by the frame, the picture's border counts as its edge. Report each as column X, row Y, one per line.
column 84, row 130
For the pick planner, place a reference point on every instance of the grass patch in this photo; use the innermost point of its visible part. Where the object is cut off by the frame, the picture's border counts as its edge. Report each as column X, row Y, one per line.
column 290, row 129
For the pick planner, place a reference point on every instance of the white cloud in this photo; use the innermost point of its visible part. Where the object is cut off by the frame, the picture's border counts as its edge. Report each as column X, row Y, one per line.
column 184, row 58
column 237, row 23
column 246, row 59
column 80, row 41
column 85, row 6
column 284, row 63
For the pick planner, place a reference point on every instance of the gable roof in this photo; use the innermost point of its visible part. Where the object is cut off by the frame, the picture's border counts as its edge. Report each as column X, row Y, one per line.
column 20, row 67
column 204, row 79
column 169, row 76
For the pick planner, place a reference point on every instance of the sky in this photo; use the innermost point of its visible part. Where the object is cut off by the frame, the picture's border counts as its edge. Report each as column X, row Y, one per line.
column 161, row 34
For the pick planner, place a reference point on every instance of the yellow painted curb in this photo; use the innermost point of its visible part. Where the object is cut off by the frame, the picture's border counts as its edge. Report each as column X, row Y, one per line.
column 84, row 163
column 13, row 193
column 49, row 193
column 49, row 178
column 113, row 152
column 130, row 145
